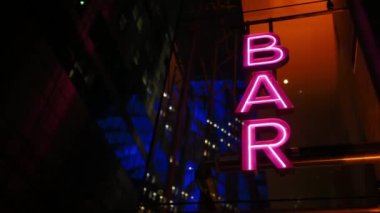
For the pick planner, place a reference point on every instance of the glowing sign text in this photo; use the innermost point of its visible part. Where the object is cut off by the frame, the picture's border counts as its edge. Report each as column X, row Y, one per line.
column 271, row 147
column 276, row 94
column 262, row 52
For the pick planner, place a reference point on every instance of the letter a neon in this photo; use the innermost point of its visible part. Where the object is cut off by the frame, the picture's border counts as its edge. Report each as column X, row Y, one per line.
column 271, row 147
column 276, row 93
column 263, row 51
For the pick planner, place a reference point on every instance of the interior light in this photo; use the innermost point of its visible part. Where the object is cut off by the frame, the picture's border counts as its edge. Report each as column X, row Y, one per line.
column 286, row 81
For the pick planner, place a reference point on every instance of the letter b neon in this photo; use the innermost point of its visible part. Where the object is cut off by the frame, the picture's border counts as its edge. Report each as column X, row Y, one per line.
column 264, row 52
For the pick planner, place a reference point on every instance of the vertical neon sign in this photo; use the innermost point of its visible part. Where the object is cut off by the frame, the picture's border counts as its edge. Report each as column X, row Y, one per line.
column 264, row 52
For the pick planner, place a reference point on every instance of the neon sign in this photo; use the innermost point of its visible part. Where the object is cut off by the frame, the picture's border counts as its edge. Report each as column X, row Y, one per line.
column 263, row 52
column 270, row 147
column 276, row 94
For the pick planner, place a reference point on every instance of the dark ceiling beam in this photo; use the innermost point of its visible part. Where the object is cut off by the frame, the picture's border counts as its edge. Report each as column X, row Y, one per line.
column 297, row 16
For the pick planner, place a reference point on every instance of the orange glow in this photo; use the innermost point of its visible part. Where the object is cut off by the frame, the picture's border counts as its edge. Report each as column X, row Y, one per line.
column 362, row 210
column 364, row 158
column 257, row 10
column 350, row 160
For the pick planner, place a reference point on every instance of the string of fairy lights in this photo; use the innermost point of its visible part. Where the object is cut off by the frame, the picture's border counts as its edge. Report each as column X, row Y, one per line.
column 158, row 196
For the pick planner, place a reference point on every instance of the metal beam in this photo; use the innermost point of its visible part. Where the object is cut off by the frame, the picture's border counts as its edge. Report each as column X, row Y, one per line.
column 290, row 17
column 309, row 157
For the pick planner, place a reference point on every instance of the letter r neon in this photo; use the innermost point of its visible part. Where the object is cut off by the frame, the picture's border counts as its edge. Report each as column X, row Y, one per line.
column 263, row 51
column 271, row 147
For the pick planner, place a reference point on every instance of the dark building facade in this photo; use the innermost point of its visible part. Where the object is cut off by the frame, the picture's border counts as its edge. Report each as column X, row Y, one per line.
column 129, row 106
